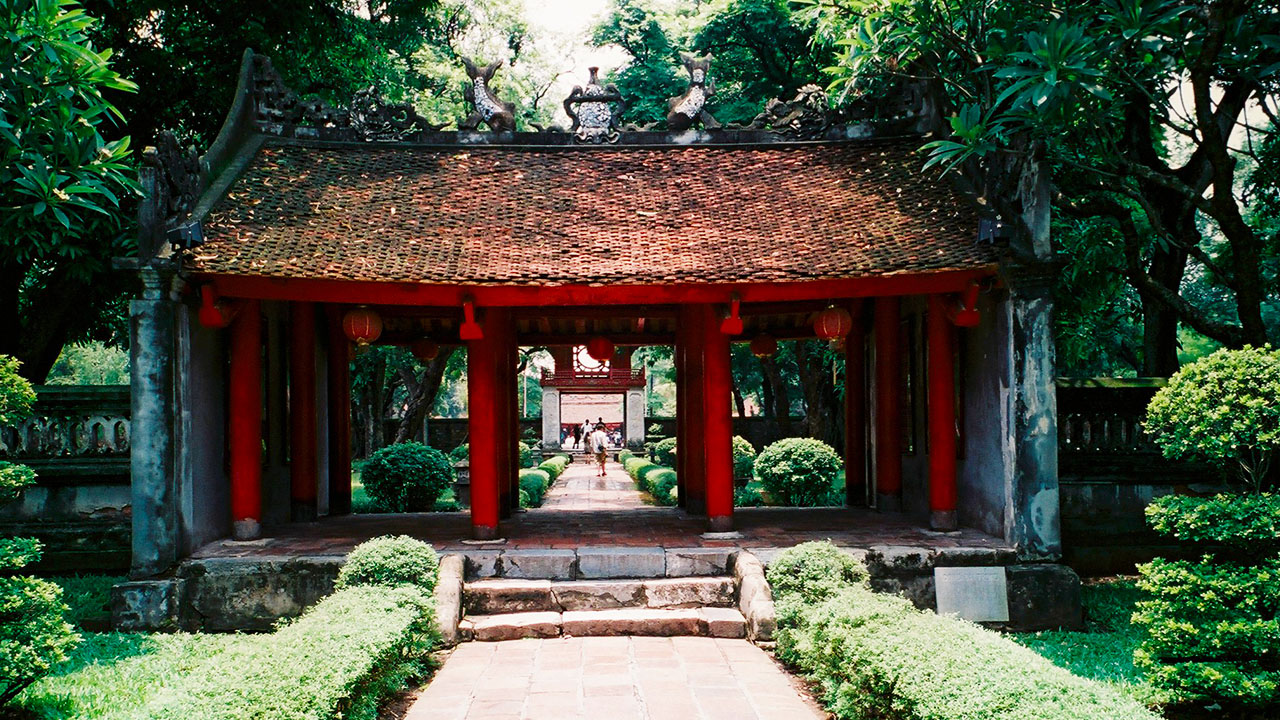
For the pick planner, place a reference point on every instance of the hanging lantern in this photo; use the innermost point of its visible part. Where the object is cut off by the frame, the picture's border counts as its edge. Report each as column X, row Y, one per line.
column 362, row 325
column 764, row 345
column 600, row 349
column 424, row 350
column 833, row 324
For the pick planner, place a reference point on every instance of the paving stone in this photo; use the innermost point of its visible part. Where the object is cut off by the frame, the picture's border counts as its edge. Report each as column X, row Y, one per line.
column 686, row 562
column 515, row 625
column 621, row 562
column 689, row 592
column 481, row 563
column 508, row 595
column 634, row 621
column 598, row 594
column 552, row 564
column 724, row 622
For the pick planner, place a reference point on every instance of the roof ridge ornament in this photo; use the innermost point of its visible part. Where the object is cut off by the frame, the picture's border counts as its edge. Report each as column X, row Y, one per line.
column 594, row 119
column 808, row 116
column 690, row 108
column 499, row 115
column 369, row 116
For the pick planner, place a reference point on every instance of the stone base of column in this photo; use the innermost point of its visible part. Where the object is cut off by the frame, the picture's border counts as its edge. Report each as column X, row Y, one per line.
column 943, row 520
column 720, row 523
column 247, row 529
column 302, row 512
column 484, row 532
column 888, row 503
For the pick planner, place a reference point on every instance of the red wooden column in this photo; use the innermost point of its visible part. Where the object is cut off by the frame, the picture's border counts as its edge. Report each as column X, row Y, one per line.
column 691, row 446
column 942, row 416
column 302, row 412
column 339, row 399
column 485, row 426
column 717, row 399
column 855, row 408
column 244, row 441
column 888, row 398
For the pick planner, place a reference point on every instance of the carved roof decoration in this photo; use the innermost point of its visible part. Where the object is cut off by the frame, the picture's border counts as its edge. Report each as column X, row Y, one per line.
column 591, row 109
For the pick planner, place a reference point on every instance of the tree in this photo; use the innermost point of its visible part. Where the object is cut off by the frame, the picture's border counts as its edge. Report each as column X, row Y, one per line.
column 1136, row 106
column 62, row 183
column 651, row 76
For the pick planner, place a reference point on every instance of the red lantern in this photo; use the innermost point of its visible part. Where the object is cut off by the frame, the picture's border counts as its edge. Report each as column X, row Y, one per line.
column 764, row 345
column 600, row 349
column 362, row 325
column 424, row 350
column 833, row 324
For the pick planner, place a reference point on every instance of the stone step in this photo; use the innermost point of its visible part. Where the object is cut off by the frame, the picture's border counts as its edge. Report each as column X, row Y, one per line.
column 506, row 595
column 702, row 622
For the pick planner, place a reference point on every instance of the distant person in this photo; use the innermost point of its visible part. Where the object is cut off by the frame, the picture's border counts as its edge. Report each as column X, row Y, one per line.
column 577, row 436
column 599, row 444
column 586, row 432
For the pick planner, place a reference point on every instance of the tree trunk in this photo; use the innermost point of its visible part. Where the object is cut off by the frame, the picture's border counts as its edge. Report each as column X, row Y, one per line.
column 821, row 419
column 422, row 396
column 781, row 397
column 739, row 402
column 1159, row 321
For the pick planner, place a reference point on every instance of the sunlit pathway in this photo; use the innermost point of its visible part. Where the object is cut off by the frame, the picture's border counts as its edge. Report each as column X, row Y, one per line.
column 613, row 678
column 580, row 488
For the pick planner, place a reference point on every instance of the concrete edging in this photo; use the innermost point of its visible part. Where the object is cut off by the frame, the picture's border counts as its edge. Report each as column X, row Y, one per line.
column 755, row 597
column 449, row 598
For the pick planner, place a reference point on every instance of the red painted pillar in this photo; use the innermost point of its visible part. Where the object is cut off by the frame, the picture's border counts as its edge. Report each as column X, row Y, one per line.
column 717, row 398
column 888, row 397
column 691, row 447
column 855, row 408
column 339, row 399
column 484, row 427
column 302, row 412
column 245, row 427
column 942, row 417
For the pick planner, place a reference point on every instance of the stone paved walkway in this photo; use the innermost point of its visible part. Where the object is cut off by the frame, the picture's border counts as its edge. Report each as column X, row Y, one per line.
column 581, row 488
column 613, row 678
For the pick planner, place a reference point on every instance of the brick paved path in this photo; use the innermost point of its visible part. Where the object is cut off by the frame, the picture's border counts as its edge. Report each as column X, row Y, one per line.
column 612, row 678
column 581, row 488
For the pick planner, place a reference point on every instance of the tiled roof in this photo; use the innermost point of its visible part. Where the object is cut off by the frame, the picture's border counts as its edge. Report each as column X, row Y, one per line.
column 550, row 216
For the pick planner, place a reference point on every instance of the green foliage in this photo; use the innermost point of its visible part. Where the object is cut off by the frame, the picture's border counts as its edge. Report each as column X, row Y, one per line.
column 748, row 495
column 814, row 572
column 744, row 457
column 12, row 479
column 391, row 561
column 652, row 75
column 661, row 483
column 339, row 659
column 460, row 453
column 1210, row 625
column 529, row 458
column 1222, row 408
column 877, row 656
column 407, row 477
column 16, row 394
column 90, row 363
column 534, row 483
column 34, row 636
column 799, row 471
column 88, row 597
column 554, row 466
column 664, row 453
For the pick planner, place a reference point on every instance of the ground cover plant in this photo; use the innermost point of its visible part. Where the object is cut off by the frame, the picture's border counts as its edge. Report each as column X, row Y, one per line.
column 877, row 656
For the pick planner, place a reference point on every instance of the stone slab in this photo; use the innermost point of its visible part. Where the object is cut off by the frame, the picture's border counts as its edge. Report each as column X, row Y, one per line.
column 550, row 564
column 977, row 594
column 146, row 605
column 449, row 598
column 482, row 563
column 508, row 595
column 686, row 562
column 1044, row 596
column 493, row 628
column 621, row 562
column 724, row 622
column 689, row 592
column 598, row 594
column 634, row 621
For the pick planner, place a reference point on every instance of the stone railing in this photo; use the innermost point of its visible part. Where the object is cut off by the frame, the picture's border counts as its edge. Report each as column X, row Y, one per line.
column 77, row 435
column 608, row 379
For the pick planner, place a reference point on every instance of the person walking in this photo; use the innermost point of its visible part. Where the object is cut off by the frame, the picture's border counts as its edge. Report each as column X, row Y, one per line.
column 577, row 436
column 600, row 446
column 586, row 434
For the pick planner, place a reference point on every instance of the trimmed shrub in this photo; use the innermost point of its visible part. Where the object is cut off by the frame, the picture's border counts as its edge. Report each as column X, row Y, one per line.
column 554, row 466
column 391, row 561
column 1222, row 408
column 339, row 659
column 664, row 453
column 662, row 485
column 407, row 477
column 534, row 484
column 528, row 458
column 460, row 453
column 799, row 471
column 1210, row 625
column 744, row 458
column 876, row 656
column 625, row 455
column 748, row 496
column 814, row 571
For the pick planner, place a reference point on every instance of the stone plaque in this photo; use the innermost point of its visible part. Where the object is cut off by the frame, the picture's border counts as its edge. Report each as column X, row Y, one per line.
column 979, row 594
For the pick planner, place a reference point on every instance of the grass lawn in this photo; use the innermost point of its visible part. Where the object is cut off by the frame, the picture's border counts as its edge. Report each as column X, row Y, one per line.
column 1104, row 651
column 361, row 502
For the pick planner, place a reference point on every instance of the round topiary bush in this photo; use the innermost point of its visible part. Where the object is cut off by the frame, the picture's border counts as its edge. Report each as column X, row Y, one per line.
column 407, row 477
column 1223, row 409
column 744, row 458
column 664, row 453
column 814, row 571
column 798, row 471
column 390, row 560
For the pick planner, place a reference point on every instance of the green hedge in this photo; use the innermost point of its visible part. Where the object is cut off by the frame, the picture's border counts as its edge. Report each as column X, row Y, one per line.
column 800, row 471
column 407, row 477
column 534, row 482
column 391, row 561
column 876, row 656
column 665, row 452
column 554, row 466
